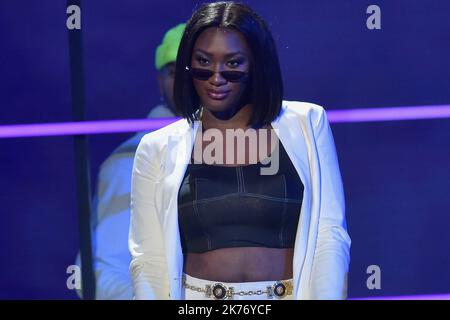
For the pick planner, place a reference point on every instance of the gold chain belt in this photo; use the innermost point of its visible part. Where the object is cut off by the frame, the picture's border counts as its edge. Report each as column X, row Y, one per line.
column 219, row 291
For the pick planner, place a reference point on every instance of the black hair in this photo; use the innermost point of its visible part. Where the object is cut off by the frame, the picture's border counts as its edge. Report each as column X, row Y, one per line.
column 266, row 86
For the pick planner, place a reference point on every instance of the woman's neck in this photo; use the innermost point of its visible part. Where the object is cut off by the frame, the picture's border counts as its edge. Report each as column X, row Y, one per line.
column 239, row 120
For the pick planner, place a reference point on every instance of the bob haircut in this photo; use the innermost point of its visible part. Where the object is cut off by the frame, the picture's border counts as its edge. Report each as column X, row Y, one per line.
column 266, row 86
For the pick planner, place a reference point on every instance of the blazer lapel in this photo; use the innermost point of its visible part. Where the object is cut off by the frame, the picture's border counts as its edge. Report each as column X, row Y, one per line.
column 294, row 137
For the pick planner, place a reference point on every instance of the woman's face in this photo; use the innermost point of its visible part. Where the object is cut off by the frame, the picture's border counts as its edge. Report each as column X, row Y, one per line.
column 219, row 50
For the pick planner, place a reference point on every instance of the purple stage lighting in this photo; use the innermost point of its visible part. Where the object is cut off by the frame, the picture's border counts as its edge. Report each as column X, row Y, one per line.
column 116, row 126
column 83, row 127
column 389, row 114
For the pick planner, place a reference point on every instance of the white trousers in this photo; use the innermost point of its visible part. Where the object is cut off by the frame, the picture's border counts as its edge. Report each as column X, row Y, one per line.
column 194, row 289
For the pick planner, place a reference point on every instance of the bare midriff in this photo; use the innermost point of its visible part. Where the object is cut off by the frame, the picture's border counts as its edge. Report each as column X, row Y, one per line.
column 241, row 264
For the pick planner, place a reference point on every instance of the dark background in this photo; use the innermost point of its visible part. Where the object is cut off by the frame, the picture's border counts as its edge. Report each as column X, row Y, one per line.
column 396, row 174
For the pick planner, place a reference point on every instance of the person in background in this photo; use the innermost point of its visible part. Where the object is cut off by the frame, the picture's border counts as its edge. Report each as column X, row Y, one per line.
column 111, row 203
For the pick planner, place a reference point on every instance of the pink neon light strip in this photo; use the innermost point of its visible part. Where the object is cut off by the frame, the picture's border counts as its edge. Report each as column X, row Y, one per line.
column 389, row 114
column 84, row 127
column 135, row 125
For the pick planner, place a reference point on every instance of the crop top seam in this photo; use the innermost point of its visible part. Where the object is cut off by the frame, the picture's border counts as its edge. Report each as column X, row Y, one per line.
column 207, row 235
column 283, row 216
column 248, row 194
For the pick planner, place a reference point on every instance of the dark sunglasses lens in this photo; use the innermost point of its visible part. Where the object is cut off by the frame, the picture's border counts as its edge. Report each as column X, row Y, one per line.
column 201, row 74
column 234, row 76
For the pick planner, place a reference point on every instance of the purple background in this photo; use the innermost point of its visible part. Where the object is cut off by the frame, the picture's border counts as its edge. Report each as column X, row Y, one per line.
column 396, row 174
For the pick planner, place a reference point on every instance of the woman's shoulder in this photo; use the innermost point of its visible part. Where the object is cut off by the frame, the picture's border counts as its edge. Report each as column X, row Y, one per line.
column 157, row 139
column 305, row 111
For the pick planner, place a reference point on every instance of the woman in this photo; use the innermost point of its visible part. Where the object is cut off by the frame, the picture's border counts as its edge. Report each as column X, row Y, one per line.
column 209, row 221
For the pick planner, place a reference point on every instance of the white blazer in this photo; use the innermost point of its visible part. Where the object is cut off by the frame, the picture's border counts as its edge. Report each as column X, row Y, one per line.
column 322, row 244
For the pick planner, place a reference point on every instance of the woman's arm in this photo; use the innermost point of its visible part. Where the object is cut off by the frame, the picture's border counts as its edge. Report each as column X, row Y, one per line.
column 148, row 265
column 332, row 254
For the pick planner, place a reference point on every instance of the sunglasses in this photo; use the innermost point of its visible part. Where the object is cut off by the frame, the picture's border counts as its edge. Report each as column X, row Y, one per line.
column 231, row 76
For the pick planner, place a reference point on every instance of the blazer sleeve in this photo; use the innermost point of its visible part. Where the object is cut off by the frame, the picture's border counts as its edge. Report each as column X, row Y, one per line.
column 112, row 211
column 332, row 253
column 148, row 265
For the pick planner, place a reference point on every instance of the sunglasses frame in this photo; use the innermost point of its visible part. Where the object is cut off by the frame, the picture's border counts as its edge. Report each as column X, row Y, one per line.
column 243, row 76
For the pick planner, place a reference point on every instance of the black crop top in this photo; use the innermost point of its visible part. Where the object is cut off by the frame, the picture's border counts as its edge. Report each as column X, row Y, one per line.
column 223, row 207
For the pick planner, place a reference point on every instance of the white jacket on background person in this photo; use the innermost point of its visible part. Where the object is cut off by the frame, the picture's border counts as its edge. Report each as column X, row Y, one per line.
column 111, row 219
column 322, row 244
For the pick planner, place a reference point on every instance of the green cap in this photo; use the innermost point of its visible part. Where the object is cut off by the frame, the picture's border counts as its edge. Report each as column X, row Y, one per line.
column 167, row 50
